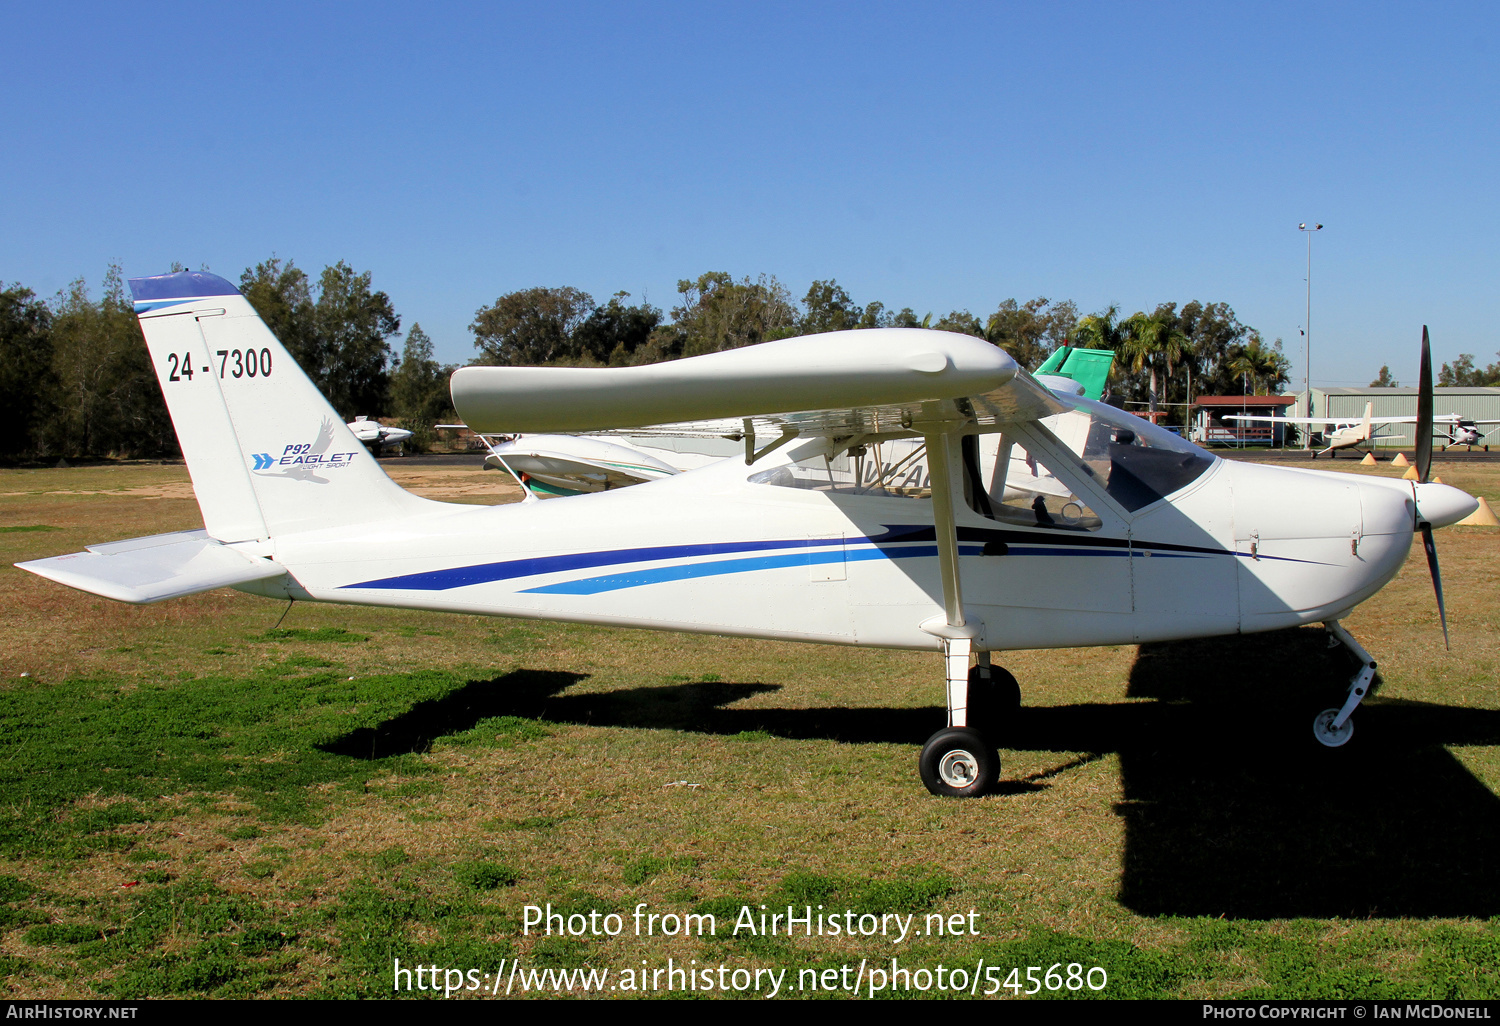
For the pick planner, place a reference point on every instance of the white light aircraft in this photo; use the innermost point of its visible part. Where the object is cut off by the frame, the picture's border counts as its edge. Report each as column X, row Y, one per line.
column 1339, row 434
column 376, row 435
column 1156, row 539
column 549, row 466
column 1462, row 431
column 1349, row 434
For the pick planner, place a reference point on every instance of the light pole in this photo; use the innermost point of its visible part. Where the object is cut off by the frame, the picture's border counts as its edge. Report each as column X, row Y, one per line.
column 1307, row 324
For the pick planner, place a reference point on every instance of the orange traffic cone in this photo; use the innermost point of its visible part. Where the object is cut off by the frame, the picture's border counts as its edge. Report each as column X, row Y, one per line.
column 1481, row 517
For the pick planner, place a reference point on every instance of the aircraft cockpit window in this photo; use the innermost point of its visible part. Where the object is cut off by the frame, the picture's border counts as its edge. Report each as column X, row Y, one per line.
column 1136, row 461
column 1004, row 482
column 891, row 469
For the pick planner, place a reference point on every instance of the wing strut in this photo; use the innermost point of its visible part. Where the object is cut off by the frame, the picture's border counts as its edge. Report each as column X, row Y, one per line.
column 943, row 455
column 945, row 463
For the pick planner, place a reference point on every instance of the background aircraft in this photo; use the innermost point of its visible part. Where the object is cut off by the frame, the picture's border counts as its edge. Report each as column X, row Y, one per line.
column 1339, row 434
column 377, row 435
column 1349, row 434
column 1466, row 432
column 1156, row 539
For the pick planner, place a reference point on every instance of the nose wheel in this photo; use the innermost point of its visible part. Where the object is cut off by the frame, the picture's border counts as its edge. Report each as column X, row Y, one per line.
column 1327, row 733
column 1333, row 727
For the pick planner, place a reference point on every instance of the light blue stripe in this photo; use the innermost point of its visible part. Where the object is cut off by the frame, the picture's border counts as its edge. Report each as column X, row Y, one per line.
column 689, row 571
column 142, row 306
column 719, row 568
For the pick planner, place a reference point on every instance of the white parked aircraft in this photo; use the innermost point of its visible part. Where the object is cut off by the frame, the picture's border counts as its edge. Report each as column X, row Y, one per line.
column 1462, row 431
column 548, row 466
column 1348, row 434
column 1339, row 434
column 376, row 435
column 1155, row 540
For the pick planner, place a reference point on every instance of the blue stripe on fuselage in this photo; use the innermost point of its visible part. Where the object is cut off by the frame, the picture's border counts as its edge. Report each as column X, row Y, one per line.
column 689, row 571
column 484, row 573
column 814, row 550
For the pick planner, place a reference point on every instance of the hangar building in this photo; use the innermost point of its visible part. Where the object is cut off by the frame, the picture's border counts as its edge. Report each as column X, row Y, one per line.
column 1470, row 403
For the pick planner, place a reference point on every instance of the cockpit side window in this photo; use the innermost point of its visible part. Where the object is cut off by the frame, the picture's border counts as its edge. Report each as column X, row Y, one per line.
column 1006, row 483
column 894, row 468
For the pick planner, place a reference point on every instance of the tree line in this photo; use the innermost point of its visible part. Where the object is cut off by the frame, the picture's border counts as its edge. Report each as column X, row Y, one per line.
column 1160, row 355
column 76, row 380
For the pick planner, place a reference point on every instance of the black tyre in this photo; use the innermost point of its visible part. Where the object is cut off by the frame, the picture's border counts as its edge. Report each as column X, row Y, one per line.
column 958, row 762
column 992, row 700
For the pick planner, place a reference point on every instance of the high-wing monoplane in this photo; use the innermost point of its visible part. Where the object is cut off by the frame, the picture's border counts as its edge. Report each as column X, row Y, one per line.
column 1349, row 434
column 1339, row 434
column 376, row 435
column 1139, row 536
column 1466, row 432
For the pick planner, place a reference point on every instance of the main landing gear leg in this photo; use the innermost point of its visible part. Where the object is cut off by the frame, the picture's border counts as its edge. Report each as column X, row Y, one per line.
column 1332, row 727
column 958, row 761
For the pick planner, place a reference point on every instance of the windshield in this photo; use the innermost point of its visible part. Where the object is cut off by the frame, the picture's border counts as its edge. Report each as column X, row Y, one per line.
column 1135, row 460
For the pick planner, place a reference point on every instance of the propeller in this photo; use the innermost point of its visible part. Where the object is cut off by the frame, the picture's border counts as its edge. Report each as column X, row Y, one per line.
column 1424, row 468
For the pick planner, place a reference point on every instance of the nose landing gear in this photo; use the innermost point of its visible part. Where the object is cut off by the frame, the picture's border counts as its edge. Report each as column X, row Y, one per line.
column 1333, row 727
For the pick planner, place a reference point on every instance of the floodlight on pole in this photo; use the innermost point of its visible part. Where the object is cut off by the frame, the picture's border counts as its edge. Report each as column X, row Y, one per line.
column 1307, row 324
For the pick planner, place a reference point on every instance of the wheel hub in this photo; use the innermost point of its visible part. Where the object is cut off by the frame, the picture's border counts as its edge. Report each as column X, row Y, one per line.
column 958, row 768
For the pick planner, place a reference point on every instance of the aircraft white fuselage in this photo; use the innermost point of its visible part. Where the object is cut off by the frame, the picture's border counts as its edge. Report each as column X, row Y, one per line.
column 801, row 565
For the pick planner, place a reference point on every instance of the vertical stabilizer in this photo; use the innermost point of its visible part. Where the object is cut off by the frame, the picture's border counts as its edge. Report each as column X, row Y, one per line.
column 1088, row 367
column 267, row 453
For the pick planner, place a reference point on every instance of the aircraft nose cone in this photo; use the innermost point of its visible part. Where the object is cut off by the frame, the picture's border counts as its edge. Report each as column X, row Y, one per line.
column 1441, row 505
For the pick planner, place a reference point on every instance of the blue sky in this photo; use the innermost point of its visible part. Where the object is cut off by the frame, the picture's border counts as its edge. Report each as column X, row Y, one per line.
column 933, row 156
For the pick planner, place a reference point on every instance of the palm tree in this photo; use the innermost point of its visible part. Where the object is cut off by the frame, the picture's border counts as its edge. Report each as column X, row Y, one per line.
column 1262, row 364
column 1101, row 331
column 1152, row 340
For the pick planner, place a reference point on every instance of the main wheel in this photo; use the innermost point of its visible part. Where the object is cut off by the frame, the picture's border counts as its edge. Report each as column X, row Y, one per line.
column 958, row 763
column 1327, row 734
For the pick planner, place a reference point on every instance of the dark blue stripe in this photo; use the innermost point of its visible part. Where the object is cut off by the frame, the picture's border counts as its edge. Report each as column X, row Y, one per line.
column 1019, row 543
column 484, row 573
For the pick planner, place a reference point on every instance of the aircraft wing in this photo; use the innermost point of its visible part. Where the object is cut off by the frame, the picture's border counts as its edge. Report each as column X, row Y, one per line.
column 159, row 567
column 873, row 382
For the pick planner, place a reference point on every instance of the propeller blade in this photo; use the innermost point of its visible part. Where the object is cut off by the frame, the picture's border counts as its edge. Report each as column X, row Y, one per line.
column 1437, row 578
column 1424, row 414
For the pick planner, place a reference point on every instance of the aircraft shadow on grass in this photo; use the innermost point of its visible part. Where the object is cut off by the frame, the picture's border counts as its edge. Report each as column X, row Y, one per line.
column 1230, row 807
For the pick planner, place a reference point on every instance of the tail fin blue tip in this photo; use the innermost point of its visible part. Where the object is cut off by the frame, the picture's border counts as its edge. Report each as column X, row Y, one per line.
column 179, row 286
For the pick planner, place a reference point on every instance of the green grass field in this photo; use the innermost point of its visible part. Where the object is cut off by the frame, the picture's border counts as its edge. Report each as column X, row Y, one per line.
column 199, row 801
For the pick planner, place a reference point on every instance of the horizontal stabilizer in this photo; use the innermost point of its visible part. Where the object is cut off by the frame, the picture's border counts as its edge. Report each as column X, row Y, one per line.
column 159, row 567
